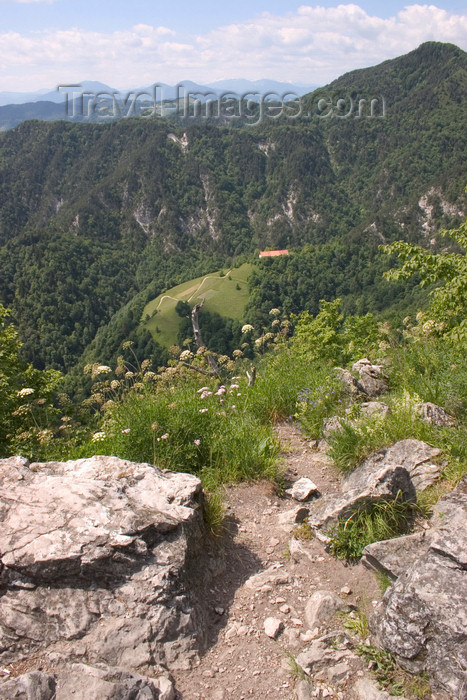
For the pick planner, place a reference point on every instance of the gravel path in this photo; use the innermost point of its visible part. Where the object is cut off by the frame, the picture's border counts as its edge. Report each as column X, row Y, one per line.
column 265, row 571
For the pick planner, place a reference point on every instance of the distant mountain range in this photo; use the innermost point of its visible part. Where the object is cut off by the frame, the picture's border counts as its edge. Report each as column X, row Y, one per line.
column 238, row 86
column 50, row 105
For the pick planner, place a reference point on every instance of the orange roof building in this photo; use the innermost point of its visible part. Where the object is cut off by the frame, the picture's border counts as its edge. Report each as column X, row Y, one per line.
column 272, row 253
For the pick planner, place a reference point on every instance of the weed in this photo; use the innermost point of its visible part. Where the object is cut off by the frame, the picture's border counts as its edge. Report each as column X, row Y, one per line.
column 380, row 521
column 214, row 512
column 356, row 622
column 303, row 531
column 391, row 677
column 383, row 581
column 295, row 670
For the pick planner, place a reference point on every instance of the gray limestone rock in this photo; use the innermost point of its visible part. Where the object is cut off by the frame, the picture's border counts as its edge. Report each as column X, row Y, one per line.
column 436, row 415
column 367, row 689
column 321, row 607
column 29, row 686
column 374, row 408
column 422, row 618
column 303, row 489
column 413, row 455
column 83, row 682
column 96, row 554
column 350, row 383
column 272, row 626
column 366, row 485
column 371, row 380
column 394, row 557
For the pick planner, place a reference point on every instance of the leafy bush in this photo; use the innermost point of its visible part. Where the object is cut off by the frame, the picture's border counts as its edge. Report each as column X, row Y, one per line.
column 448, row 271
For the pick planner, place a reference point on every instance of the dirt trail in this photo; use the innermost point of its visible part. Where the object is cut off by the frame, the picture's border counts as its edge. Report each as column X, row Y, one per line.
column 242, row 661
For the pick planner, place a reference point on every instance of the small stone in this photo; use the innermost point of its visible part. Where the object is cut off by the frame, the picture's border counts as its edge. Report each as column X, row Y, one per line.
column 338, row 672
column 272, row 627
column 219, row 611
column 303, row 489
column 303, row 690
column 346, row 590
column 284, row 609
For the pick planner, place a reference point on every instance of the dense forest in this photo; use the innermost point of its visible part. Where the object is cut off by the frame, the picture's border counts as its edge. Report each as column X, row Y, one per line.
column 96, row 219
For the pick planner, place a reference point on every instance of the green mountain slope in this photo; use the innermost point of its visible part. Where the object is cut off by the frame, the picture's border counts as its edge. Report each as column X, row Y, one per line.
column 225, row 293
column 92, row 215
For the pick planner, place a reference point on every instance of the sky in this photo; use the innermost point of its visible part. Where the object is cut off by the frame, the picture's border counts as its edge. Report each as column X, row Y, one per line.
column 131, row 43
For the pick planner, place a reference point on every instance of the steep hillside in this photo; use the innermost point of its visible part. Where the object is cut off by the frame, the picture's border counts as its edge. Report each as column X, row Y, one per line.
column 93, row 214
column 224, row 293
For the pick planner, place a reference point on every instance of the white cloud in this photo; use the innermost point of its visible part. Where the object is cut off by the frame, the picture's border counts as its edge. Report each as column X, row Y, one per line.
column 312, row 44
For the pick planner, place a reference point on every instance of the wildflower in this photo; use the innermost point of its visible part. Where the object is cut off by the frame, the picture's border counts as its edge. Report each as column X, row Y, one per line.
column 145, row 364
column 237, row 354
column 115, row 384
column 126, row 430
column 197, row 442
column 238, row 394
column 220, row 391
column 25, row 392
column 205, row 393
column 222, row 359
column 127, row 344
column 186, row 355
column 164, row 436
column 100, row 369
column 275, row 323
column 155, row 426
column 233, row 406
column 234, row 386
column 149, row 377
column 274, row 312
column 203, row 388
column 247, row 328
column 203, row 410
column 97, row 437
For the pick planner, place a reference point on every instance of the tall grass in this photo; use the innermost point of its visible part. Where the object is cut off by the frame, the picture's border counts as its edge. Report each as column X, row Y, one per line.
column 380, row 521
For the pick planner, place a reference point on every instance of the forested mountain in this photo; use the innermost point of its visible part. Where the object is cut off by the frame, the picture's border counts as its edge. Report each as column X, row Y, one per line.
column 97, row 218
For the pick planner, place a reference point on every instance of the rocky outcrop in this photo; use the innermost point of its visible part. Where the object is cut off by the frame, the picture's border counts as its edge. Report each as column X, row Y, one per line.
column 82, row 682
column 414, row 455
column 366, row 379
column 436, row 415
column 98, row 562
column 422, row 618
column 366, row 485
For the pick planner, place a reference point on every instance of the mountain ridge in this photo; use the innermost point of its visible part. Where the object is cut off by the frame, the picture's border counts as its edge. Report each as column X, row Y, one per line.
column 93, row 214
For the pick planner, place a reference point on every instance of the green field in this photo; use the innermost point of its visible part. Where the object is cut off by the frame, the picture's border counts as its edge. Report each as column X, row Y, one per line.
column 225, row 292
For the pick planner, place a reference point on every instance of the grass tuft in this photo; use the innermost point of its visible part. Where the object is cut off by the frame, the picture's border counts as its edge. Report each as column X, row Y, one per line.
column 380, row 521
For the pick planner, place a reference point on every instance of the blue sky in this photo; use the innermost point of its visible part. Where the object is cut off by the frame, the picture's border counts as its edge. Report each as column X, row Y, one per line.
column 132, row 43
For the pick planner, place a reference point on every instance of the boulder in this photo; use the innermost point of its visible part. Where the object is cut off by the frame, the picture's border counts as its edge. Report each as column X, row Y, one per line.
column 436, row 415
column 413, row 455
column 321, row 608
column 29, row 686
column 366, row 485
column 374, row 408
column 422, row 618
column 394, row 557
column 82, row 682
column 371, row 380
column 98, row 555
